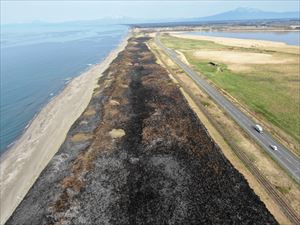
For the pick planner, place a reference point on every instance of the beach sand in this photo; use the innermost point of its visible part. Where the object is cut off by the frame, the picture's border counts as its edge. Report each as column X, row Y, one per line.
column 21, row 165
column 245, row 43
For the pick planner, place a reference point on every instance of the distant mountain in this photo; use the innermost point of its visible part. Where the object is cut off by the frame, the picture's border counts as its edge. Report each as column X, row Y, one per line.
column 249, row 14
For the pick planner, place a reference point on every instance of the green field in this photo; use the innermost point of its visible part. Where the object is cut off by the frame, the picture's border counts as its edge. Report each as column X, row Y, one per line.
column 269, row 89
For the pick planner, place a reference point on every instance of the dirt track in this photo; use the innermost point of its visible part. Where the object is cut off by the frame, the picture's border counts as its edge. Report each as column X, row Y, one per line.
column 164, row 170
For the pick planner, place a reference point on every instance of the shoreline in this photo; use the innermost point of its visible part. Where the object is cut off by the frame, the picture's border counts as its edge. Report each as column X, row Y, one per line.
column 22, row 163
column 246, row 43
column 51, row 98
column 67, row 81
column 243, row 31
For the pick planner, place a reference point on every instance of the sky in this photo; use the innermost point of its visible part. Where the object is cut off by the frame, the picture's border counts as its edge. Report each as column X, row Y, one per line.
column 59, row 11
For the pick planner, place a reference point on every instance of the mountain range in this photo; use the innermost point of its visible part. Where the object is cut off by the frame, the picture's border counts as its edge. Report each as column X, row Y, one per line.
column 249, row 14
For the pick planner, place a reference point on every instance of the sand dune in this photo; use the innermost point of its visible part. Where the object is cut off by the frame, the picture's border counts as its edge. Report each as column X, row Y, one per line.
column 22, row 164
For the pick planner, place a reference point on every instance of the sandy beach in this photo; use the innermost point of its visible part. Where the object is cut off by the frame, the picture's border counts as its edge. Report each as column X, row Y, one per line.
column 21, row 165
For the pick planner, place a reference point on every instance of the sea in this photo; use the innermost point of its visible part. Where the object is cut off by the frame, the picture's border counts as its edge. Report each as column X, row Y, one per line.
column 290, row 38
column 37, row 62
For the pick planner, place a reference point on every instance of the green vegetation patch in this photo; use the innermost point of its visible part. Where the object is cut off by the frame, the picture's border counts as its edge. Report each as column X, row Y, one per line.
column 187, row 44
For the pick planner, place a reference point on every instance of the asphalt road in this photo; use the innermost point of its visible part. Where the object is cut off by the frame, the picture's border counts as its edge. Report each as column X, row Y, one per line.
column 283, row 156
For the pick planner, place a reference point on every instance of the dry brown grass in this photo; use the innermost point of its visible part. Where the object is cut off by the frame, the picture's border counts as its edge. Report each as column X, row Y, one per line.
column 242, row 61
column 80, row 137
column 117, row 133
column 62, row 203
column 90, row 112
column 182, row 57
column 237, row 57
column 72, row 182
column 114, row 102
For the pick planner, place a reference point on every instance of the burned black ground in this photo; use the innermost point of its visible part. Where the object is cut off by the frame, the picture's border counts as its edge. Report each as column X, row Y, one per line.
column 165, row 169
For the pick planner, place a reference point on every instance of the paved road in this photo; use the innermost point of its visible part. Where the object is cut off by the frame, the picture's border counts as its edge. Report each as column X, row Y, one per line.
column 283, row 156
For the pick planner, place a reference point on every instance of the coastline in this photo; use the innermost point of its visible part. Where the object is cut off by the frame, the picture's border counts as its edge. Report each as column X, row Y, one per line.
column 22, row 163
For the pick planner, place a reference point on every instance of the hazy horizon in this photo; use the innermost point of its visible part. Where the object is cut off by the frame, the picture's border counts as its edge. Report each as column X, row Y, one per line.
column 65, row 11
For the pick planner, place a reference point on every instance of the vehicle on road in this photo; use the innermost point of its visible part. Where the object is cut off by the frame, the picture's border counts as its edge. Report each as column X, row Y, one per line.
column 274, row 147
column 258, row 128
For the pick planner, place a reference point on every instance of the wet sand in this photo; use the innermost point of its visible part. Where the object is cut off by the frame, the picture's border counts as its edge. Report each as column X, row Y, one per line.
column 21, row 165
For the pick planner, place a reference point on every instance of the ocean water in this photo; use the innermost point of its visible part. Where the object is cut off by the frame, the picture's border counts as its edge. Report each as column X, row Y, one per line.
column 290, row 38
column 37, row 61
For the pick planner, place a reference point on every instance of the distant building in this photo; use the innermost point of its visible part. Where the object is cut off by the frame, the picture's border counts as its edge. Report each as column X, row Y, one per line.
column 295, row 27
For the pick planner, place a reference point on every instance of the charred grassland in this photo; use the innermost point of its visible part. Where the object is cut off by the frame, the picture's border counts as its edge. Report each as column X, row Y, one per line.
column 139, row 155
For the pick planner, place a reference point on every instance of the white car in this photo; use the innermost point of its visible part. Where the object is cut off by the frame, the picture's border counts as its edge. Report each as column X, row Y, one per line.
column 274, row 147
column 258, row 128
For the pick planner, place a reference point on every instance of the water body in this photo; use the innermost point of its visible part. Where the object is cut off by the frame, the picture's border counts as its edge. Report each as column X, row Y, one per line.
column 37, row 61
column 290, row 38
